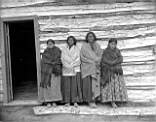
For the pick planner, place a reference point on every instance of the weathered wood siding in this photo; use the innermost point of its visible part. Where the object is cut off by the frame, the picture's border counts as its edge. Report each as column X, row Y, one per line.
column 133, row 24
column 1, row 86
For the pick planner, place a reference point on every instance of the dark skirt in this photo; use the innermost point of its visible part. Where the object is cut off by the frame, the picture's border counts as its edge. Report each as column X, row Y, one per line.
column 71, row 88
column 87, row 89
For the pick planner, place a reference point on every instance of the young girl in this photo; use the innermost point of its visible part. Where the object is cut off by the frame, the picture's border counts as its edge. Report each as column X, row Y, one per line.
column 71, row 89
column 51, row 71
column 90, row 59
column 112, row 82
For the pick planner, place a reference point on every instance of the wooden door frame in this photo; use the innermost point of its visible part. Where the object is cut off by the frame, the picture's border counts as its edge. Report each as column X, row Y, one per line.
column 37, row 48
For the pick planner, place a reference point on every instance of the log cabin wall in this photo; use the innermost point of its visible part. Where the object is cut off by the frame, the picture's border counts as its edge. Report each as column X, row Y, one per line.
column 130, row 21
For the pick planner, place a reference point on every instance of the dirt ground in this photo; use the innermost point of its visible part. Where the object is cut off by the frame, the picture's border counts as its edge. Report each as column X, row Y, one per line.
column 26, row 114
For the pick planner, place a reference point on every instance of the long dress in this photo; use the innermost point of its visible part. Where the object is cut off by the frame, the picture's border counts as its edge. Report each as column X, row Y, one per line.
column 50, row 85
column 52, row 93
column 90, row 71
column 113, row 88
column 71, row 79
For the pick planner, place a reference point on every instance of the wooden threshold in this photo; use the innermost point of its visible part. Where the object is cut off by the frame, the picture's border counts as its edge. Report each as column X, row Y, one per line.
column 22, row 103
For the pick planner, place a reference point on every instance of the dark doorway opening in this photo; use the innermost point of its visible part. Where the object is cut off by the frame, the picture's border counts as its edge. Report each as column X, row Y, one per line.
column 23, row 60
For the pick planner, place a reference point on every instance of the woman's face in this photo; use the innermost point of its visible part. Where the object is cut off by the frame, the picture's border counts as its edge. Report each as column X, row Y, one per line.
column 112, row 45
column 91, row 38
column 50, row 45
column 70, row 41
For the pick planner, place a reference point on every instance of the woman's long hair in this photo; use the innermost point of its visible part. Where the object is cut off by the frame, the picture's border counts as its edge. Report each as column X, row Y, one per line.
column 93, row 36
column 74, row 39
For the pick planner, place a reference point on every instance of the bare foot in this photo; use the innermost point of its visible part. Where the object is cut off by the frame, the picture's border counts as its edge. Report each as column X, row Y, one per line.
column 67, row 104
column 114, row 105
column 48, row 105
column 75, row 105
column 92, row 105
column 54, row 105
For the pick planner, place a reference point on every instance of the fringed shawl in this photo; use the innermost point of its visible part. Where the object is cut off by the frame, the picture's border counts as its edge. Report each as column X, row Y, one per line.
column 90, row 60
column 110, row 64
column 50, row 63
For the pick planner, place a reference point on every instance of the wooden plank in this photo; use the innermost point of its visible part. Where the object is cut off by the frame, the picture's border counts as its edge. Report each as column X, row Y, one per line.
column 0, row 74
column 143, row 80
column 22, row 3
column 132, row 43
column 142, row 95
column 122, row 44
column 137, row 52
column 75, row 10
column 134, row 69
column 139, row 58
column 1, row 85
column 0, row 62
column 102, row 110
column 141, row 88
column 80, row 33
column 90, row 23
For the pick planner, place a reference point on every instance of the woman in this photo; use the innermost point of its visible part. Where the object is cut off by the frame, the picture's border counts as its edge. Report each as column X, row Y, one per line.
column 90, row 59
column 112, row 82
column 71, row 79
column 51, row 70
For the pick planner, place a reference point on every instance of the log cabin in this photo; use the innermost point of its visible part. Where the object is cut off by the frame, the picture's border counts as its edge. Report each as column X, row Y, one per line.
column 27, row 24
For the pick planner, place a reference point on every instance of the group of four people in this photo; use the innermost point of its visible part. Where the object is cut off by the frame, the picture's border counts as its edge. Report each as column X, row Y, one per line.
column 73, row 75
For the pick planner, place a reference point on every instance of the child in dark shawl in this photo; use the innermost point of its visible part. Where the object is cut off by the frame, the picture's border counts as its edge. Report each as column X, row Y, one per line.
column 51, row 70
column 112, row 82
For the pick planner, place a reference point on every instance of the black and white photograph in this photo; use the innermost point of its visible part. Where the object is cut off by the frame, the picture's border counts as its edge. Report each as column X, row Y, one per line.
column 77, row 60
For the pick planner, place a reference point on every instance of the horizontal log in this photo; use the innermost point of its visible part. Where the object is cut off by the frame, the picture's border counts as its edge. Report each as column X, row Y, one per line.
column 138, row 52
column 0, row 74
column 24, row 3
column 102, row 15
column 75, row 9
column 143, row 80
column 141, row 88
column 132, row 43
column 80, row 33
column 91, row 23
column 142, row 95
column 139, row 58
column 0, row 62
column 134, row 69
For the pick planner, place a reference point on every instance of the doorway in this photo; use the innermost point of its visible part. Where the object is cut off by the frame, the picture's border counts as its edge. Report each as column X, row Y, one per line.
column 21, row 60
